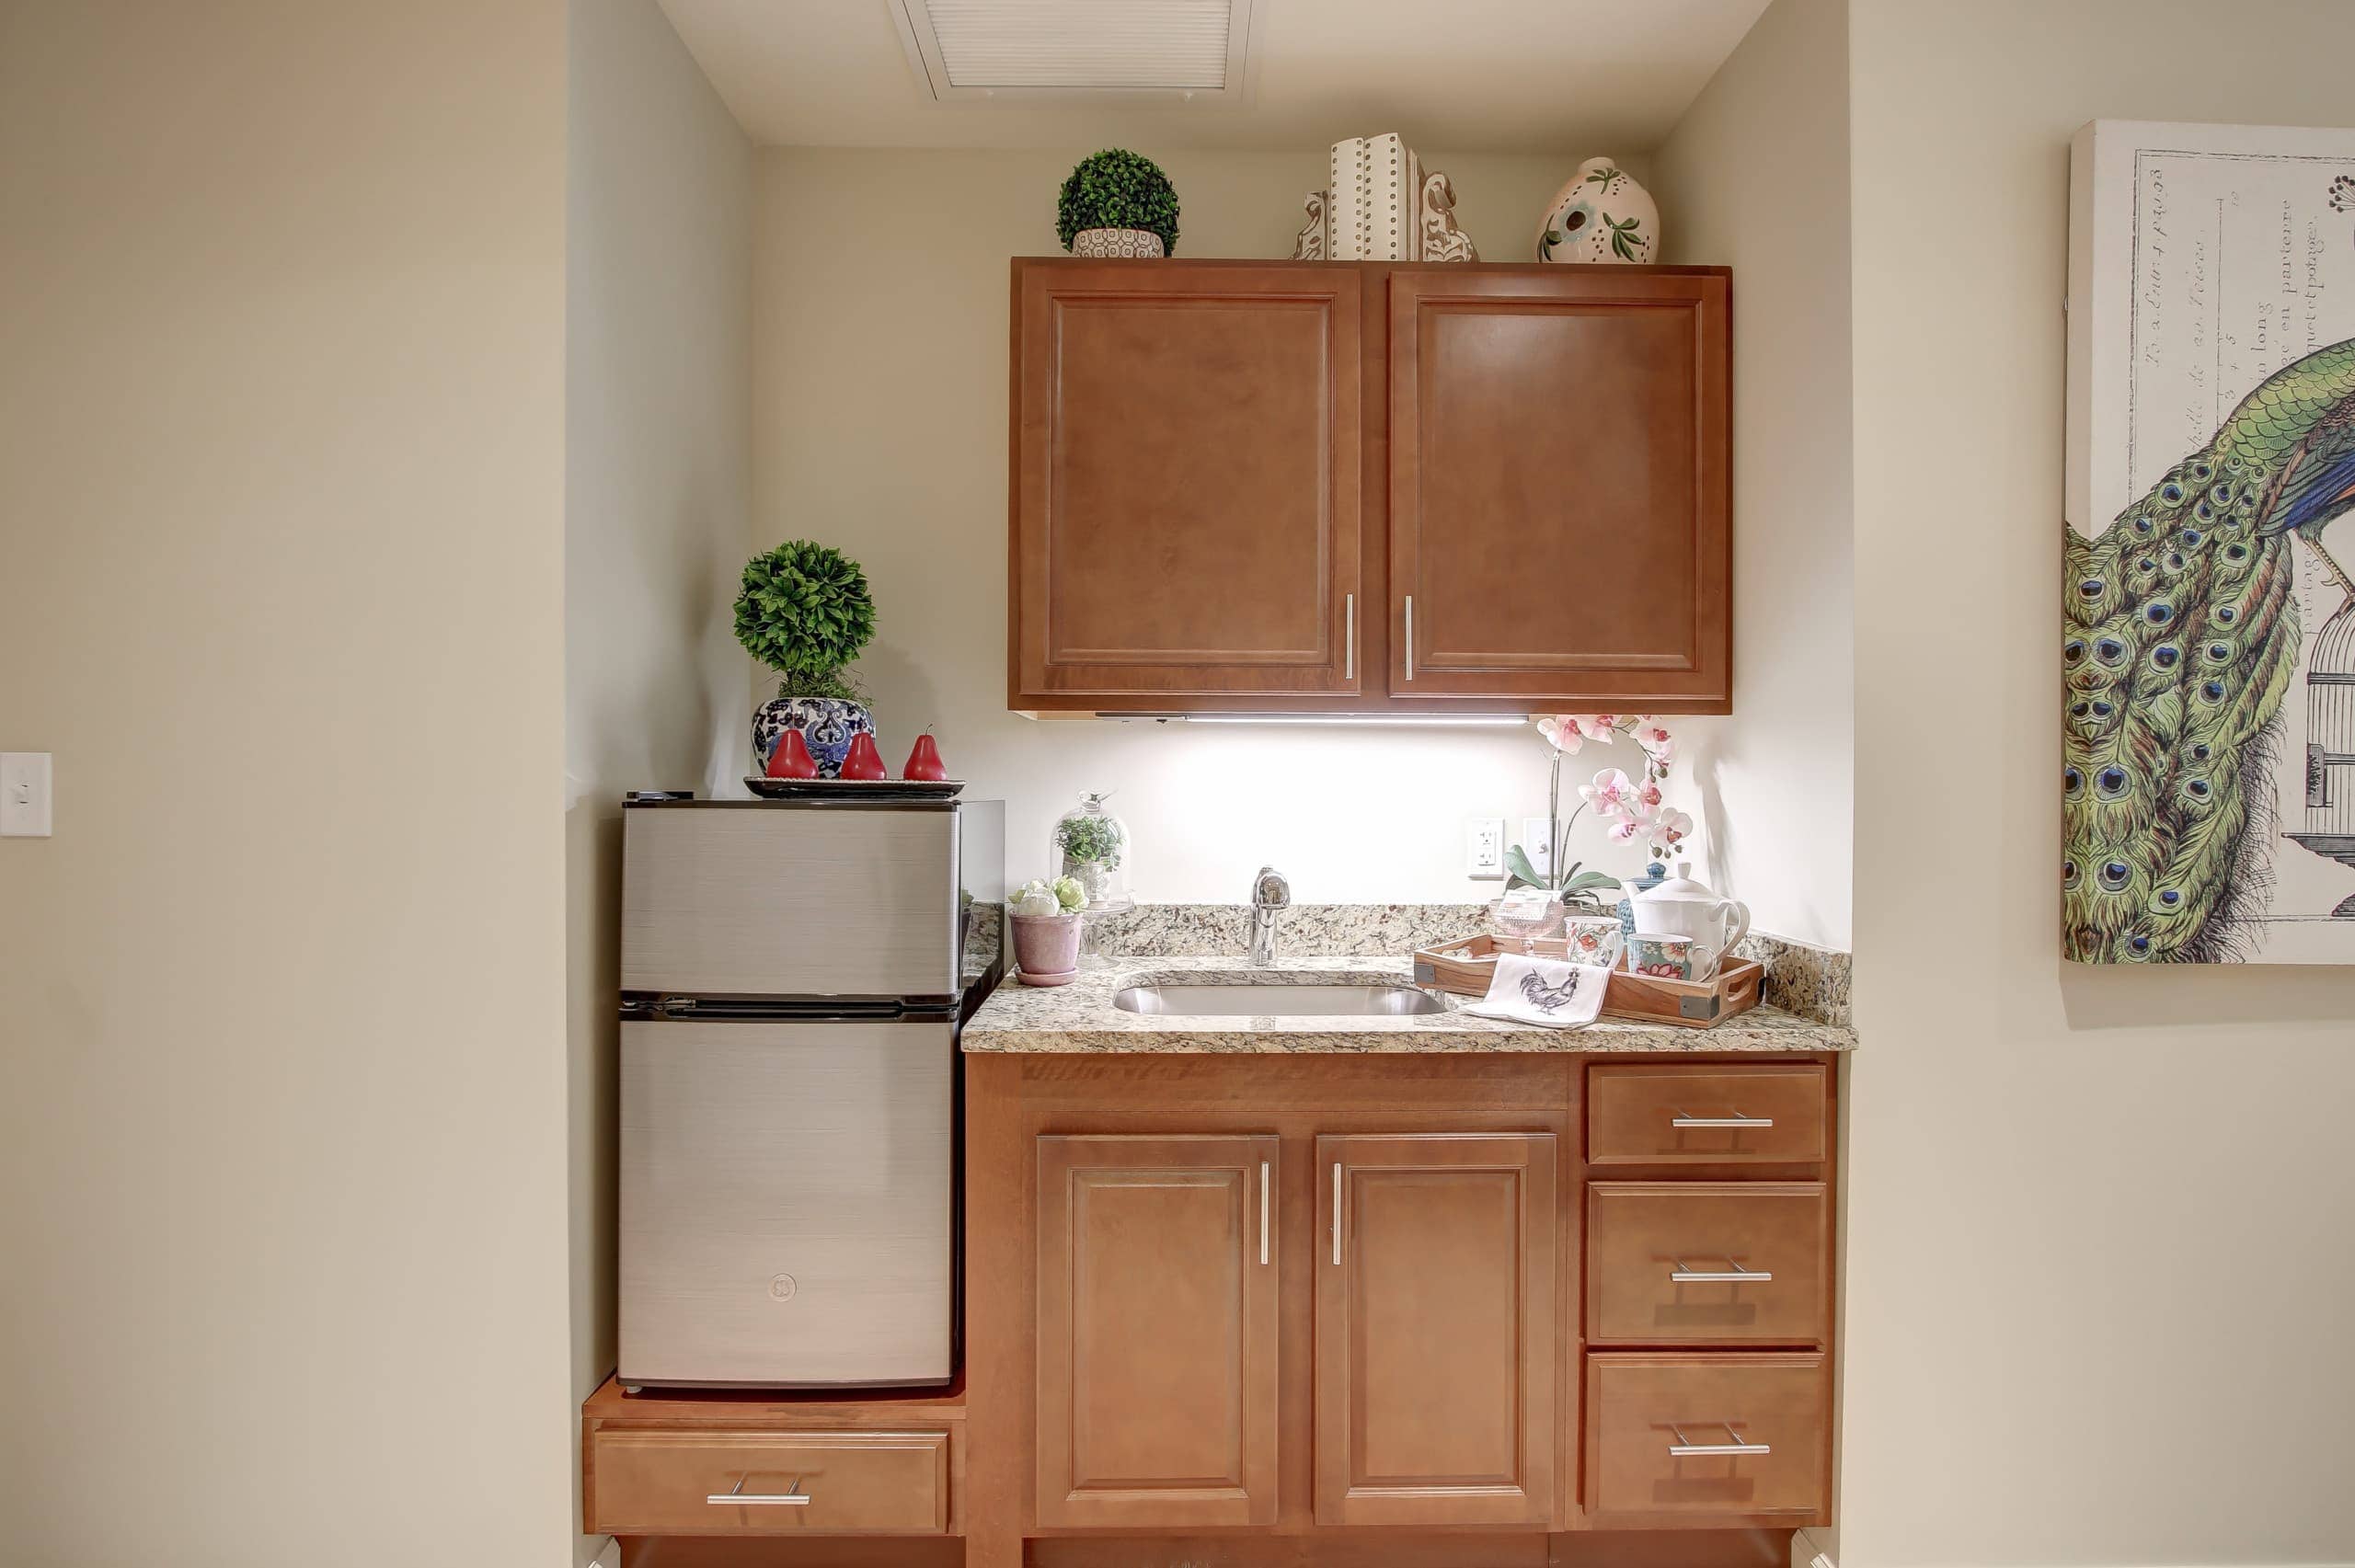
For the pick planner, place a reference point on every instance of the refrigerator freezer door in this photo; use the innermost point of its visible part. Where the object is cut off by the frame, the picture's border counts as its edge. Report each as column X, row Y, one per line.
column 783, row 902
column 786, row 1207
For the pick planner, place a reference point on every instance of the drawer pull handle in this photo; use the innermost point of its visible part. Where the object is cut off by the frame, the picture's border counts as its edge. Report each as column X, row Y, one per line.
column 737, row 1497
column 1732, row 1274
column 1411, row 636
column 1686, row 1119
column 1349, row 637
column 1684, row 1449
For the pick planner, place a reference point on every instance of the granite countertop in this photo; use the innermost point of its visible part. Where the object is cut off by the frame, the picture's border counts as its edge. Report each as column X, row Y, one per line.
column 1080, row 1017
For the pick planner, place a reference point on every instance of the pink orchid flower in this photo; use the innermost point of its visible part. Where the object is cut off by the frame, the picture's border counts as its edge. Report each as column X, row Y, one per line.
column 1596, row 727
column 1673, row 825
column 1650, row 796
column 1562, row 732
column 1612, row 793
column 1624, row 830
column 1655, row 741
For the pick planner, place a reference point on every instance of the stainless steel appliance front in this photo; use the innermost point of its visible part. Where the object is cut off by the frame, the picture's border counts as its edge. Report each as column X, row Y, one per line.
column 722, row 900
column 787, row 1202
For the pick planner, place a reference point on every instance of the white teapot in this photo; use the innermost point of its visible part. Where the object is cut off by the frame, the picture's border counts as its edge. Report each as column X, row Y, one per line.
column 1682, row 907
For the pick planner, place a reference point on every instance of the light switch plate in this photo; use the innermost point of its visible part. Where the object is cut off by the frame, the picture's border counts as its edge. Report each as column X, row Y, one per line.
column 1483, row 847
column 1535, row 833
column 24, row 795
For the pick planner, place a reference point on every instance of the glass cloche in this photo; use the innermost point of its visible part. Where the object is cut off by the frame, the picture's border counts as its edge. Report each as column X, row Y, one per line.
column 1092, row 845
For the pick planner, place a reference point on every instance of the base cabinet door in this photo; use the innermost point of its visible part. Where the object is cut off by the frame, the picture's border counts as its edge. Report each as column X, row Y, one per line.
column 1435, row 1329
column 1157, row 1323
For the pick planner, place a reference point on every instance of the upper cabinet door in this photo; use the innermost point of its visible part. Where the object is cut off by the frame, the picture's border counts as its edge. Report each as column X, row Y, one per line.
column 1558, row 486
column 1185, row 477
column 1436, row 1330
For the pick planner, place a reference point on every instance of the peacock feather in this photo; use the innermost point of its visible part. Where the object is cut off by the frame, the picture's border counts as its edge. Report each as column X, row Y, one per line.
column 2180, row 638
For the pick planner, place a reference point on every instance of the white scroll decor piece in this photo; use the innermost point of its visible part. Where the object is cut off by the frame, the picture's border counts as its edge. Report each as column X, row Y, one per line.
column 1381, row 206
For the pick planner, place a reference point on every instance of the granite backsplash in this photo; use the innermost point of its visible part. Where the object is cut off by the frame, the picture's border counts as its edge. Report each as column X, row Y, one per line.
column 1812, row 982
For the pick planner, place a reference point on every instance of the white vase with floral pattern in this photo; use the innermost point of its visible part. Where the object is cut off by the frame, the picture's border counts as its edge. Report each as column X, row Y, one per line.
column 1600, row 215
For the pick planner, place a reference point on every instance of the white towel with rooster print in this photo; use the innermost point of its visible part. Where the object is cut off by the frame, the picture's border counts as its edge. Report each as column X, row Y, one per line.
column 1544, row 992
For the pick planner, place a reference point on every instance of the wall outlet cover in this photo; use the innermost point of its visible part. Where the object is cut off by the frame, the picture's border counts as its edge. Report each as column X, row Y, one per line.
column 1535, row 831
column 24, row 795
column 1483, row 847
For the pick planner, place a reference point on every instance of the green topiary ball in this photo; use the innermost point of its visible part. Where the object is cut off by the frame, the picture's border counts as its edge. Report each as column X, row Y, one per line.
column 1117, row 189
column 805, row 612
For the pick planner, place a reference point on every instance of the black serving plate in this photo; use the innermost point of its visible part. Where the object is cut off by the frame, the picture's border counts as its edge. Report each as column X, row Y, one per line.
column 854, row 789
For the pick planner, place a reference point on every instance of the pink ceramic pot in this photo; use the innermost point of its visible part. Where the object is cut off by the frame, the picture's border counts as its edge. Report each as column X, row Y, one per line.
column 1047, row 948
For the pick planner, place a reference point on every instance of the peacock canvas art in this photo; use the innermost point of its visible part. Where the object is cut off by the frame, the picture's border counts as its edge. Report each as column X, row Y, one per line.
column 2207, row 639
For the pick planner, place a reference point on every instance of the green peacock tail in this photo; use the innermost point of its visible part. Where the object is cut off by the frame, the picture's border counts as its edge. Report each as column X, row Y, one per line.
column 2180, row 637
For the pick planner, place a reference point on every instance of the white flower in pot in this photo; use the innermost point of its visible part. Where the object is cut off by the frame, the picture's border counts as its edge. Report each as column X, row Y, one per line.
column 1046, row 930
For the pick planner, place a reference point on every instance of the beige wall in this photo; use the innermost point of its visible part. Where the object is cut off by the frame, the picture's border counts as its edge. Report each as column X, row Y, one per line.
column 282, row 1137
column 658, row 469
column 880, row 419
column 2097, row 1270
column 1754, row 177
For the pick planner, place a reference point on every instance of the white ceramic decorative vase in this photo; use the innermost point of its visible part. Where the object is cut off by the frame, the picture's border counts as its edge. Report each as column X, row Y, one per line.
column 1600, row 215
column 1116, row 241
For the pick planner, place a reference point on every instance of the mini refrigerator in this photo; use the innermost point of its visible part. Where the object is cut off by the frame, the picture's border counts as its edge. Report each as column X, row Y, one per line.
column 794, row 975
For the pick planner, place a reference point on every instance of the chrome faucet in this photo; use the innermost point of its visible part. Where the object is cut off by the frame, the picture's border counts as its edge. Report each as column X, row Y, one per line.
column 1270, row 892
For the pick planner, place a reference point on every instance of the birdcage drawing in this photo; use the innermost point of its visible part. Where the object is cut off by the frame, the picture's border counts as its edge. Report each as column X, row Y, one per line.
column 2330, row 745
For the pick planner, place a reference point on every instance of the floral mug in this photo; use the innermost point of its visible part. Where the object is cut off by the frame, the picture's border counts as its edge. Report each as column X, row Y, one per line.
column 1669, row 957
column 1592, row 939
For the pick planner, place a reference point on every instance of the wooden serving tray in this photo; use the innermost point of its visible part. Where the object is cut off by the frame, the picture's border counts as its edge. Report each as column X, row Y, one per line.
column 1466, row 967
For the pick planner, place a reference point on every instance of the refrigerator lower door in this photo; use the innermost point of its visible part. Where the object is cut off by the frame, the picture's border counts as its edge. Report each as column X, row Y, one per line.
column 787, row 1203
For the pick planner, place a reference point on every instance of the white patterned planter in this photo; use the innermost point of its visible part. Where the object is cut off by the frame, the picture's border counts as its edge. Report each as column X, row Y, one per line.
column 1601, row 216
column 1116, row 243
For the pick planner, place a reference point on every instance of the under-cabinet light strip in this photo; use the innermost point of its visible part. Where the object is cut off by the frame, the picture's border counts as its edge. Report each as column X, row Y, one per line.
column 1436, row 721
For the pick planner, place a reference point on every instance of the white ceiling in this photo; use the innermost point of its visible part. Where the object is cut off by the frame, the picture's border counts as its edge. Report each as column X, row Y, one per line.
column 1581, row 76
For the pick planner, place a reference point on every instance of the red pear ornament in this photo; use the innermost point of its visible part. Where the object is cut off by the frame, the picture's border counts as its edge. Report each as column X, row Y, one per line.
column 864, row 761
column 790, row 759
column 924, row 763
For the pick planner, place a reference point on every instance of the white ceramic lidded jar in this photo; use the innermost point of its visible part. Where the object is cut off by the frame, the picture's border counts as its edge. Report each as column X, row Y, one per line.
column 1090, row 844
column 1682, row 907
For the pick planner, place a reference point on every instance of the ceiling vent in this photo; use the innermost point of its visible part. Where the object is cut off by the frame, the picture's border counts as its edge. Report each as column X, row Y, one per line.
column 1195, row 52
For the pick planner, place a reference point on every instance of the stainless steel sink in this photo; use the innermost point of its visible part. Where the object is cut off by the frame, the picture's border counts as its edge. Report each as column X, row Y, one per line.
column 1306, row 999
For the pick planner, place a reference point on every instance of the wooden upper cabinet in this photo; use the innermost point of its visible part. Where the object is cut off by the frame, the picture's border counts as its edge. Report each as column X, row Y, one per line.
column 1435, row 1329
column 1559, row 520
column 1186, row 482
column 1369, row 487
column 1156, row 1327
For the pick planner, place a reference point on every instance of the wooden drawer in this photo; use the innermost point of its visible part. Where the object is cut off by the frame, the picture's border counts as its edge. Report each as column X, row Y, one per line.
column 1705, row 1116
column 858, row 1482
column 1642, row 1408
column 1707, row 1263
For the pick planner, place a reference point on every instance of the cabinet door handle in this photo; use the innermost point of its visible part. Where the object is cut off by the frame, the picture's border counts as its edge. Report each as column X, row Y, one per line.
column 1732, row 1274
column 1682, row 1449
column 1337, row 1214
column 1685, row 1119
column 791, row 1497
column 1411, row 636
column 1263, row 1213
column 1350, row 636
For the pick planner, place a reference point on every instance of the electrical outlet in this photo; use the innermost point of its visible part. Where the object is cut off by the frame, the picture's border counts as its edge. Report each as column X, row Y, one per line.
column 1483, row 847
column 24, row 795
column 1535, row 832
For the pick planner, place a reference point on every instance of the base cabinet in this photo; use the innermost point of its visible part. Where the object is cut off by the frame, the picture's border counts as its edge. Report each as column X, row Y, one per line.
column 1435, row 1329
column 1318, row 1312
column 1157, row 1347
